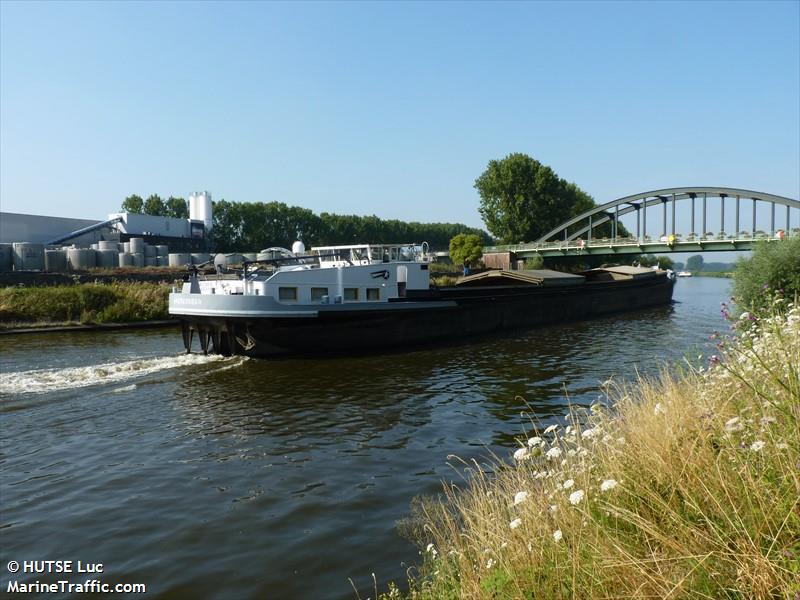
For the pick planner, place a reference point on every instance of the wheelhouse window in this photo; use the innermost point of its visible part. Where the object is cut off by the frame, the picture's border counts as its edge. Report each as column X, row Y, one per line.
column 317, row 293
column 350, row 294
column 287, row 293
column 373, row 294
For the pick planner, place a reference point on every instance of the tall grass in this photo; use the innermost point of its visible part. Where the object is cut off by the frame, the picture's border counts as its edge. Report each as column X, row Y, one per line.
column 86, row 303
column 688, row 488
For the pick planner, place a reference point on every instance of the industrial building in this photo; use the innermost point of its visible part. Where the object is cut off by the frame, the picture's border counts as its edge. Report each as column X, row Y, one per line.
column 133, row 239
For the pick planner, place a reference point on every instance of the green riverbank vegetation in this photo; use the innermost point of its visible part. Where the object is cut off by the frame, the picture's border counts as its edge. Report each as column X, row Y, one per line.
column 684, row 485
column 82, row 304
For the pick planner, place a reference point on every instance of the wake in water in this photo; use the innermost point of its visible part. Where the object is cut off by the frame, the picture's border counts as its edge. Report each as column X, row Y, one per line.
column 49, row 380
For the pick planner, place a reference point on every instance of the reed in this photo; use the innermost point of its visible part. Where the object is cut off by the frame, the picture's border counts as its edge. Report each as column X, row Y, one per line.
column 685, row 485
column 85, row 303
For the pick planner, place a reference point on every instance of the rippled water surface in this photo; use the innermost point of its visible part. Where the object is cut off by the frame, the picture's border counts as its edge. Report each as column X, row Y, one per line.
column 214, row 477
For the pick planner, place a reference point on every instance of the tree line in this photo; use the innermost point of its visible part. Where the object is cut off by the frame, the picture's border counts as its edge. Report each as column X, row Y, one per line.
column 251, row 226
column 155, row 205
column 520, row 199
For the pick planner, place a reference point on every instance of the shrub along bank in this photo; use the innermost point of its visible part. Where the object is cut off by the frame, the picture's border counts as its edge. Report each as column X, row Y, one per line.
column 87, row 303
column 688, row 488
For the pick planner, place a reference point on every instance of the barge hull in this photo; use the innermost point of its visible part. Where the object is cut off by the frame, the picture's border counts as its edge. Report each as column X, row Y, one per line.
column 463, row 313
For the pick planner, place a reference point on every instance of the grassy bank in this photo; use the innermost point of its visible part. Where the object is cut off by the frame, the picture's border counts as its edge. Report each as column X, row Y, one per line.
column 84, row 304
column 688, row 489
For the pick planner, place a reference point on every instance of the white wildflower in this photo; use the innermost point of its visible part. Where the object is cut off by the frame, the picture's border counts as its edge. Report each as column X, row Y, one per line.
column 658, row 409
column 429, row 547
column 515, row 523
column 490, row 563
column 572, row 452
column 557, row 535
column 591, row 432
column 553, row 508
column 608, row 484
column 621, row 441
column 551, row 429
column 521, row 454
column 535, row 441
column 568, row 484
column 782, row 446
column 568, row 430
column 576, row 497
column 520, row 497
column 744, row 316
column 553, row 453
column 757, row 446
column 733, row 424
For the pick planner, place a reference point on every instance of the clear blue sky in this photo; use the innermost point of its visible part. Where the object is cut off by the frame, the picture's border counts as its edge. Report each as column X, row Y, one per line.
column 390, row 109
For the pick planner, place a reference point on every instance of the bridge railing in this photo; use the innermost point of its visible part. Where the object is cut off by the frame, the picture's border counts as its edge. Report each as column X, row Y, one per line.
column 709, row 236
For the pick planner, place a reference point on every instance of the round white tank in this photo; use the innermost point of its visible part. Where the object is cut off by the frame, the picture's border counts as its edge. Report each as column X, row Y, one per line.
column 6, row 260
column 107, row 259
column 138, row 259
column 126, row 247
column 28, row 256
column 162, row 261
column 55, row 261
column 149, row 251
column 137, row 245
column 162, row 250
column 200, row 209
column 150, row 261
column 179, row 259
column 125, row 259
column 80, row 259
column 105, row 245
column 298, row 247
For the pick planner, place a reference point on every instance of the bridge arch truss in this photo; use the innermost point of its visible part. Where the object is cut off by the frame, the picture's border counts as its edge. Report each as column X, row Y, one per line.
column 582, row 226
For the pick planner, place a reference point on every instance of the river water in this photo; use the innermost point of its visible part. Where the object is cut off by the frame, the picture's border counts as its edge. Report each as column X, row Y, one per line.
column 211, row 477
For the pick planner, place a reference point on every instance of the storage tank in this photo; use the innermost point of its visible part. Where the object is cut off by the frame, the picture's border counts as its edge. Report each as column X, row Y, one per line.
column 125, row 259
column 162, row 250
column 200, row 209
column 80, row 259
column 150, row 251
column 180, row 259
column 55, row 261
column 136, row 246
column 199, row 258
column 138, row 259
column 126, row 247
column 228, row 259
column 28, row 256
column 162, row 261
column 150, row 261
column 6, row 258
column 104, row 245
column 107, row 259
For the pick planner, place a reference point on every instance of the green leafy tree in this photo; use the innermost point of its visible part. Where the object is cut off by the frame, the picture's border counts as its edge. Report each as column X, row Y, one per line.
column 694, row 263
column 133, row 204
column 773, row 266
column 154, row 205
column 466, row 249
column 177, row 208
column 521, row 199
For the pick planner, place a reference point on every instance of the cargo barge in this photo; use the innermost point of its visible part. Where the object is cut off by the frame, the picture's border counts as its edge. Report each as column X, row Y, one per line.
column 366, row 298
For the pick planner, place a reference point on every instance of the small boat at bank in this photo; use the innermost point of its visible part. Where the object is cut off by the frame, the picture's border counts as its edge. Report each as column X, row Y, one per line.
column 684, row 273
column 372, row 297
